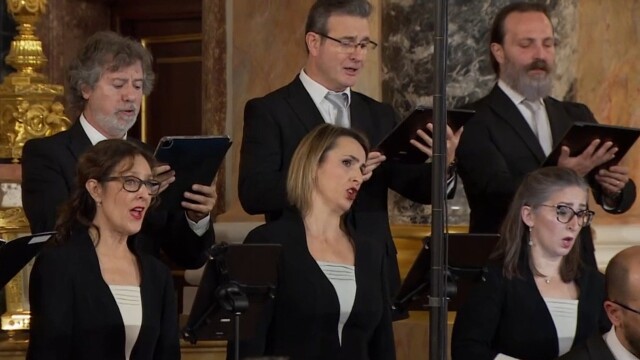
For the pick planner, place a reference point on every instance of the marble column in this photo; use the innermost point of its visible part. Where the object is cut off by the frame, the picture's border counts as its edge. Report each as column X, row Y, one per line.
column 408, row 67
column 214, row 73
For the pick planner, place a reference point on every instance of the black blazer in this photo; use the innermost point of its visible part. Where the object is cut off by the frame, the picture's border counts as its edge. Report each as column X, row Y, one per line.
column 498, row 148
column 48, row 180
column 595, row 348
column 273, row 127
column 303, row 323
column 510, row 317
column 74, row 314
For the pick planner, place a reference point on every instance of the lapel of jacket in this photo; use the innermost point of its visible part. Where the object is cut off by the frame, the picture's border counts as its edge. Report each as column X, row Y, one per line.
column 559, row 120
column 78, row 140
column 360, row 116
column 303, row 105
column 502, row 105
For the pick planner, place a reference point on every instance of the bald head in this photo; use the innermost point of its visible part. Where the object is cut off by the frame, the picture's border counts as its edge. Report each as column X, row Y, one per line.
column 623, row 274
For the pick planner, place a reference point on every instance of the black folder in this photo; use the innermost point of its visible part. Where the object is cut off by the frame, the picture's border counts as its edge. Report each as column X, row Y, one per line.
column 15, row 254
column 396, row 145
column 195, row 160
column 581, row 134
column 468, row 256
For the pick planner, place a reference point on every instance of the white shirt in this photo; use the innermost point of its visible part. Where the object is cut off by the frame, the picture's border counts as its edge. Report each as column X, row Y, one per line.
column 96, row 136
column 619, row 352
column 318, row 93
column 130, row 305
column 343, row 279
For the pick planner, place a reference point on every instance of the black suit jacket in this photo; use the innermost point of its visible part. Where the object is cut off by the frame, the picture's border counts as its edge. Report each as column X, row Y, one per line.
column 277, row 122
column 48, row 180
column 509, row 316
column 595, row 348
column 75, row 316
column 303, row 322
column 498, row 148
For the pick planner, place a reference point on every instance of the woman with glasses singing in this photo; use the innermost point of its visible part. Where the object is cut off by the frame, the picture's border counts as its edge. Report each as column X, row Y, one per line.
column 92, row 294
column 537, row 300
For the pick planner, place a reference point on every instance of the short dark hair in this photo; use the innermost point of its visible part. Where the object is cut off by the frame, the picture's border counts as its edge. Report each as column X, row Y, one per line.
column 322, row 10
column 497, row 28
column 536, row 188
column 105, row 50
column 96, row 163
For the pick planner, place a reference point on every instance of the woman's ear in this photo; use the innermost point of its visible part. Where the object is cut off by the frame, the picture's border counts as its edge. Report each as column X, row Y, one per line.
column 95, row 190
column 526, row 213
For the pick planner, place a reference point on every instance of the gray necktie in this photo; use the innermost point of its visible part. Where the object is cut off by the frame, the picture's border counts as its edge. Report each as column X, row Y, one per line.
column 339, row 102
column 540, row 125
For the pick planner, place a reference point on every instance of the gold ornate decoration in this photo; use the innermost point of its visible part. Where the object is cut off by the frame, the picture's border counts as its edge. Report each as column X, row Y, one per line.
column 27, row 102
column 28, row 109
column 13, row 223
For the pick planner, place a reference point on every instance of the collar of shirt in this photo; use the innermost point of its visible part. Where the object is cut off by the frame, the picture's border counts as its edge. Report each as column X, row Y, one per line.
column 93, row 134
column 317, row 91
column 516, row 97
column 619, row 352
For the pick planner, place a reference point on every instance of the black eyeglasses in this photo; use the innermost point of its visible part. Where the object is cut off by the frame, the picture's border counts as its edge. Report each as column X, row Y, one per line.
column 132, row 183
column 565, row 213
column 626, row 307
column 348, row 46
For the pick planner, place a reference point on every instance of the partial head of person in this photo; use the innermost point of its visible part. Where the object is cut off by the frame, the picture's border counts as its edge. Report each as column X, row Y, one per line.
column 522, row 48
column 543, row 222
column 338, row 40
column 115, row 189
column 326, row 169
column 622, row 283
column 106, row 82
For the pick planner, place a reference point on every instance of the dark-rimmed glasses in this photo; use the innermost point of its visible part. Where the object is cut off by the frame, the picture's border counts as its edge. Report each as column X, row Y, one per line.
column 349, row 46
column 132, row 183
column 565, row 213
column 625, row 306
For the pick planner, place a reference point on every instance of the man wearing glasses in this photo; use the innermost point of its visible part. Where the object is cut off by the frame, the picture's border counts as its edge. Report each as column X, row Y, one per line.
column 338, row 40
column 109, row 104
column 622, row 342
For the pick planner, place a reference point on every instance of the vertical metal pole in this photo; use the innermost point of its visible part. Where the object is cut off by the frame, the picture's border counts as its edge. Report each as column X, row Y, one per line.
column 438, row 300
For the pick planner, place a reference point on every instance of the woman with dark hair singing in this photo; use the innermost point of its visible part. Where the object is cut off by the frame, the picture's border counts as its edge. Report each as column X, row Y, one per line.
column 538, row 299
column 92, row 294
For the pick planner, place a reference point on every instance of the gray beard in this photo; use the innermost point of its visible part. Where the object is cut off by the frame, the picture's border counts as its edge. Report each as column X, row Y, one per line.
column 115, row 128
column 531, row 89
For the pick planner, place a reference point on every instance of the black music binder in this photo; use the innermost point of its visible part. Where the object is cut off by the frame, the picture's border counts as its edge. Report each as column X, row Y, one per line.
column 396, row 145
column 581, row 134
column 195, row 160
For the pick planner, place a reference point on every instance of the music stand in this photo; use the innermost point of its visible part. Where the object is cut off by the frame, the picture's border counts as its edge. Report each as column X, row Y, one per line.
column 16, row 254
column 237, row 280
column 467, row 260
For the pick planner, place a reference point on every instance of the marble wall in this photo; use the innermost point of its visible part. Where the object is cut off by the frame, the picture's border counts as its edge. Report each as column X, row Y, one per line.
column 608, row 75
column 584, row 73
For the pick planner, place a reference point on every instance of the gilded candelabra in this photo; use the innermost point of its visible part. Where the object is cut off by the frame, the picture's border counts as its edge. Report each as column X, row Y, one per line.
column 28, row 106
column 28, row 109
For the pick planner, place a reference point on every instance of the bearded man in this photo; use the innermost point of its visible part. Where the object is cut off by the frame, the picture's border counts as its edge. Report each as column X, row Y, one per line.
column 518, row 124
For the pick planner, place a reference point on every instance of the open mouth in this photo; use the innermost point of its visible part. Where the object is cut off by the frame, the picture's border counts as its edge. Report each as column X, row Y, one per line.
column 137, row 212
column 352, row 193
column 567, row 242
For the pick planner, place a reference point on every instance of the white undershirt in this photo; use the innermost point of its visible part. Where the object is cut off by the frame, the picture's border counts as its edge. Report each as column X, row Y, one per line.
column 565, row 317
column 343, row 279
column 130, row 305
column 318, row 92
